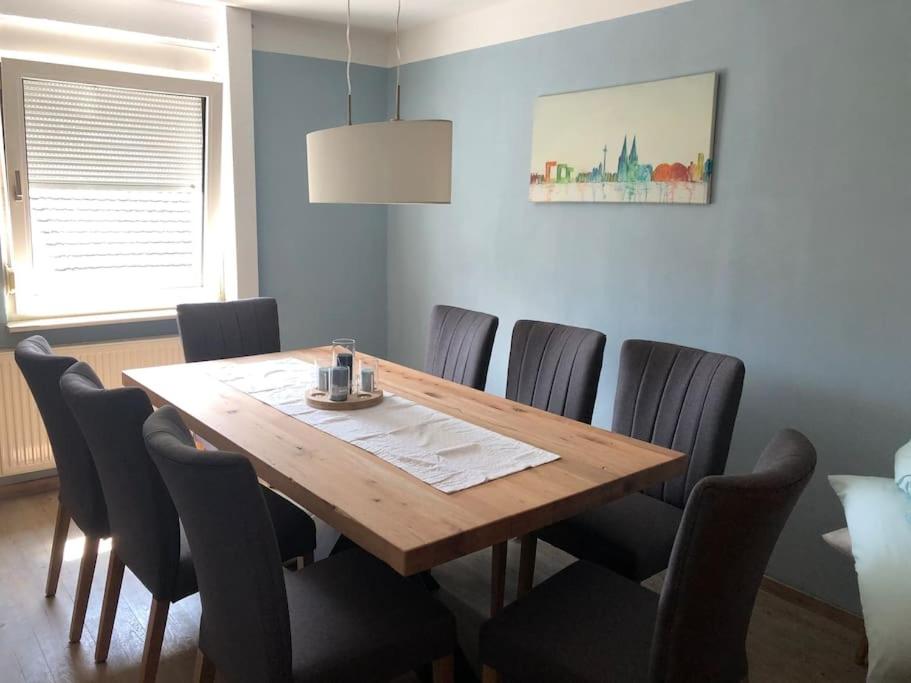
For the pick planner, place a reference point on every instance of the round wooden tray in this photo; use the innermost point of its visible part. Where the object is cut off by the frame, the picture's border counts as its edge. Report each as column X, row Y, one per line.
column 356, row 400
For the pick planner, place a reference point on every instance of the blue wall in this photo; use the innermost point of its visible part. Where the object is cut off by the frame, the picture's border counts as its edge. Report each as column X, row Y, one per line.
column 798, row 266
column 326, row 264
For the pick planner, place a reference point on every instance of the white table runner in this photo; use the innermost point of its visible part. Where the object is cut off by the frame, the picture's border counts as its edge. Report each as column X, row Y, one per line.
column 443, row 451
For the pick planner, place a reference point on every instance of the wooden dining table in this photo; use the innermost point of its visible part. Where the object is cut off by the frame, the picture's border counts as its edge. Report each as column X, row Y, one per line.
column 403, row 521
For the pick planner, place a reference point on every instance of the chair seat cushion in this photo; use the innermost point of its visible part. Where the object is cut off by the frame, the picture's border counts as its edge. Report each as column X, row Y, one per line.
column 632, row 536
column 294, row 528
column 583, row 624
column 354, row 619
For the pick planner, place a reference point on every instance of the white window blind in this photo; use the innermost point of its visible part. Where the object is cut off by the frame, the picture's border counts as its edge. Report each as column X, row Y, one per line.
column 115, row 181
column 113, row 185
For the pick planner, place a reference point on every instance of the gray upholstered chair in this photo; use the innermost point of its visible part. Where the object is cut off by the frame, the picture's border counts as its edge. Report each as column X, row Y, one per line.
column 460, row 344
column 146, row 534
column 587, row 623
column 80, row 498
column 346, row 618
column 228, row 329
column 673, row 396
column 555, row 368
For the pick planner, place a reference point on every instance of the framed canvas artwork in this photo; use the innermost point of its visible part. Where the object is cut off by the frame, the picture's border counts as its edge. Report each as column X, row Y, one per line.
column 646, row 142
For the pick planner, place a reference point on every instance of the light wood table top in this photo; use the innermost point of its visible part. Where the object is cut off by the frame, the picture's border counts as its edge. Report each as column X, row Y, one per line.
column 395, row 516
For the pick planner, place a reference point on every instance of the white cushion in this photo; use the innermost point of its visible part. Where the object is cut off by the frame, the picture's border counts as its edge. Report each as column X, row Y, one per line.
column 879, row 520
column 840, row 540
column 903, row 468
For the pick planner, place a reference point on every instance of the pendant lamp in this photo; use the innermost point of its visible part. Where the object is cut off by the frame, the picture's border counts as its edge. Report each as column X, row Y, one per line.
column 388, row 162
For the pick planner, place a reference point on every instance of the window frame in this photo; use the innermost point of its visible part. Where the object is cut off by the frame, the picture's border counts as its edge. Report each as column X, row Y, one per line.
column 16, row 239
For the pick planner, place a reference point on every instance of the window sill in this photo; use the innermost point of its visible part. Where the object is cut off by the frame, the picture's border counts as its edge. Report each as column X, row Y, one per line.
column 40, row 324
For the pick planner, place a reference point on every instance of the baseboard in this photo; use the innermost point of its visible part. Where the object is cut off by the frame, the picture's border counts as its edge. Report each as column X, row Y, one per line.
column 808, row 602
column 29, row 485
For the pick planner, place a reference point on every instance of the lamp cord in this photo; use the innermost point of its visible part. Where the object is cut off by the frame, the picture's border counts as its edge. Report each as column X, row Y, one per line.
column 398, row 65
column 348, row 61
column 398, row 61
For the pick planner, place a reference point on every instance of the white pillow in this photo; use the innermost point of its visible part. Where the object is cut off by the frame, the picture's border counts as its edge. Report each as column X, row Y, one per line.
column 903, row 468
column 879, row 519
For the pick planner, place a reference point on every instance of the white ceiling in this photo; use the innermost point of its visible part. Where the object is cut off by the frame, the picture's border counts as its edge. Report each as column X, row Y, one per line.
column 373, row 14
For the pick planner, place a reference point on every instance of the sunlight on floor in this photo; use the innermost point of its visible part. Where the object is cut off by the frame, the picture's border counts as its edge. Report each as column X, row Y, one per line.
column 73, row 548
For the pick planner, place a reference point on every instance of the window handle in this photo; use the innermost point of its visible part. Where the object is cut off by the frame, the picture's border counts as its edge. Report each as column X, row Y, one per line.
column 17, row 186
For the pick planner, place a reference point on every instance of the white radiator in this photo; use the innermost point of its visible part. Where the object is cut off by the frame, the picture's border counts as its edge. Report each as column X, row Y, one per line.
column 23, row 442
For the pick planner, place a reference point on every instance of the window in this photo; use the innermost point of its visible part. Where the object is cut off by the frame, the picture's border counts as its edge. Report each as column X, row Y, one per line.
column 112, row 181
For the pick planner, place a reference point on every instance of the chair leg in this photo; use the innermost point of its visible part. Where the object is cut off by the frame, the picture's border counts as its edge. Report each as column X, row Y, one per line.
column 489, row 674
column 109, row 607
column 205, row 668
column 158, row 618
column 83, row 587
column 444, row 669
column 497, row 578
column 61, row 528
column 527, row 565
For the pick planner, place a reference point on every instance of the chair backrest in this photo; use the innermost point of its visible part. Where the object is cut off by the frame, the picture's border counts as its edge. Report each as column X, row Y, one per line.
column 245, row 628
column 144, row 525
column 80, row 489
column 555, row 368
column 460, row 345
column 228, row 329
column 728, row 531
column 680, row 398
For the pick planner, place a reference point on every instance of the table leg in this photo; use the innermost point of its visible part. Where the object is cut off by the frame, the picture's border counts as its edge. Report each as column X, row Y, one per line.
column 497, row 578
column 527, row 565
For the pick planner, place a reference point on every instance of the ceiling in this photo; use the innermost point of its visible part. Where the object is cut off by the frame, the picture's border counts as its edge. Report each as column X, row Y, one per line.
column 374, row 14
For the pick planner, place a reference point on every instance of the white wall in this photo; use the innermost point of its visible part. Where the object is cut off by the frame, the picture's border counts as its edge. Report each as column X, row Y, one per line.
column 502, row 22
column 100, row 47
column 496, row 22
column 238, row 197
column 292, row 36
column 179, row 20
column 169, row 37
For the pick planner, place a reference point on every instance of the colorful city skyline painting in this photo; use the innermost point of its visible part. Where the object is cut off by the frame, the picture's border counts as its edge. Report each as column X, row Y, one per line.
column 647, row 142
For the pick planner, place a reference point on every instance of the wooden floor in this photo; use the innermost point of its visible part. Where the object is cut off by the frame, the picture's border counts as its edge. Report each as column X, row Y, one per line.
column 787, row 643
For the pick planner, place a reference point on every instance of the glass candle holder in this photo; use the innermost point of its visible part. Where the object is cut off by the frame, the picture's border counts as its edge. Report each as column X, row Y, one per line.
column 344, row 353
column 367, row 375
column 339, row 383
column 323, row 378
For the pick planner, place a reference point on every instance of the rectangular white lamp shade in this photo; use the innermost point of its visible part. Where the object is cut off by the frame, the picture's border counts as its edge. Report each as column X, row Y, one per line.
column 391, row 162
